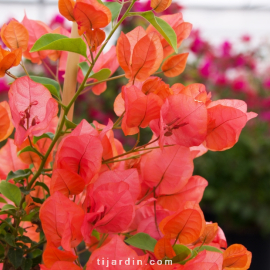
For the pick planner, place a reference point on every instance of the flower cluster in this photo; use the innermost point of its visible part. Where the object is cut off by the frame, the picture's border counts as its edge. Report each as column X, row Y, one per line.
column 63, row 184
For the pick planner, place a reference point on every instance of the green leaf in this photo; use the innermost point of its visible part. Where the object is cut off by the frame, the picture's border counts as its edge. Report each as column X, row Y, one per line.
column 194, row 253
column 101, row 75
column 24, row 239
column 60, row 43
column 11, row 192
column 208, row 248
column 28, row 149
column 85, row 67
column 36, row 253
column 161, row 26
column 37, row 200
column 182, row 252
column 51, row 85
column 25, row 191
column 37, row 260
column 26, row 264
column 96, row 234
column 2, row 251
column 114, row 7
column 31, row 215
column 45, row 135
column 8, row 207
column 19, row 175
column 69, row 124
column 15, row 256
column 142, row 241
column 2, row 200
column 43, row 186
column 10, row 239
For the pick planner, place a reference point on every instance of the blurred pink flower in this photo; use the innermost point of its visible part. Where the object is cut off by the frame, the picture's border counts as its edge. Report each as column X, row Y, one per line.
column 4, row 87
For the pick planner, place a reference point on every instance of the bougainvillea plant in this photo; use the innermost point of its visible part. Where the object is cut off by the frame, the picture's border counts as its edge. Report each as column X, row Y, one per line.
column 64, row 185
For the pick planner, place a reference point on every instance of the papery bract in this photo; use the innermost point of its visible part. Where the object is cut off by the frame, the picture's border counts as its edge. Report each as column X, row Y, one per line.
column 9, row 59
column 163, row 248
column 81, row 152
column 226, row 120
column 111, row 209
column 52, row 255
column 156, row 86
column 9, row 159
column 15, row 35
column 66, row 182
column 32, row 108
column 66, row 9
column 236, row 257
column 167, row 171
column 6, row 126
column 174, row 65
column 186, row 225
column 95, row 38
column 90, row 14
column 192, row 191
column 183, row 121
column 130, row 177
column 139, row 56
column 58, row 215
column 160, row 5
column 35, row 29
column 140, row 108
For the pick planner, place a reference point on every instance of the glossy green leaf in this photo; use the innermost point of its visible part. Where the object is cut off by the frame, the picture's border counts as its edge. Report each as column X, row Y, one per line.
column 24, row 239
column 11, row 192
column 96, row 234
column 18, row 175
column 31, row 215
column 85, row 67
column 182, row 252
column 8, row 207
column 143, row 241
column 2, row 251
column 69, row 124
column 15, row 256
column 60, row 43
column 28, row 149
column 50, row 84
column 26, row 264
column 114, row 7
column 208, row 248
column 2, row 200
column 194, row 253
column 44, row 186
column 10, row 239
column 48, row 135
column 37, row 200
column 101, row 75
column 161, row 26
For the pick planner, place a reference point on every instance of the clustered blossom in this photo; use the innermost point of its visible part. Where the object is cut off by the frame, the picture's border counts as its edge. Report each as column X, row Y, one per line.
column 98, row 192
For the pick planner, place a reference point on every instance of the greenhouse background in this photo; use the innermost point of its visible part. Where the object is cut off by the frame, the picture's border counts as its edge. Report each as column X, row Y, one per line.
column 230, row 54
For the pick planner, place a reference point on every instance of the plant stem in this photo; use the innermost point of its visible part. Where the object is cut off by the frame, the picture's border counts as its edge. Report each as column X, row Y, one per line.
column 106, row 80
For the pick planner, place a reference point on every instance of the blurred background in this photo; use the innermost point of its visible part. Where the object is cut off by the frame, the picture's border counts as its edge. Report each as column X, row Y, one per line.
column 229, row 53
